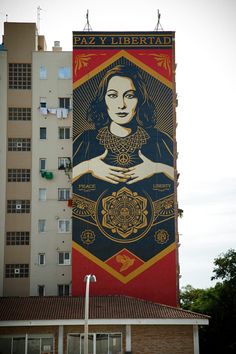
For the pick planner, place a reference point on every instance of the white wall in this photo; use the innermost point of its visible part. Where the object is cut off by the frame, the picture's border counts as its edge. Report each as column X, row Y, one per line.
column 51, row 241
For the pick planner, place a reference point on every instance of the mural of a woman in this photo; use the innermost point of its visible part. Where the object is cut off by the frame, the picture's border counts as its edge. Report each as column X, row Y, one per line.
column 123, row 175
column 125, row 147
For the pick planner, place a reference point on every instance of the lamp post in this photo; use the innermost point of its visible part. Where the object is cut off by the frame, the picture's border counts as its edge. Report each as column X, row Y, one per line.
column 88, row 278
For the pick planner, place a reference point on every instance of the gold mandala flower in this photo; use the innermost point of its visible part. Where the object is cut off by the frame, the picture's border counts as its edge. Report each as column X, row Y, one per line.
column 124, row 212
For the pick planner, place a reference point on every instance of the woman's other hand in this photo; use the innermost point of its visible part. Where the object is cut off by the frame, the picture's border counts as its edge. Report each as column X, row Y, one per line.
column 147, row 169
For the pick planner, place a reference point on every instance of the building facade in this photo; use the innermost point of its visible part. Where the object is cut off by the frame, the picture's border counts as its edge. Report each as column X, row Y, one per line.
column 117, row 325
column 36, row 119
column 36, row 313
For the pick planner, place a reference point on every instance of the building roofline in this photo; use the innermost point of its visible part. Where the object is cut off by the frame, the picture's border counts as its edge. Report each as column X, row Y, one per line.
column 97, row 322
column 54, row 310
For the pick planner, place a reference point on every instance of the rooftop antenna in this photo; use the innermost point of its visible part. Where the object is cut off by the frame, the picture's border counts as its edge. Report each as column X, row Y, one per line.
column 38, row 18
column 158, row 26
column 87, row 27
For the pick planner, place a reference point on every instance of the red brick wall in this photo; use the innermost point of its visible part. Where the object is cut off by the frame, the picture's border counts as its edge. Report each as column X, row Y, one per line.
column 162, row 339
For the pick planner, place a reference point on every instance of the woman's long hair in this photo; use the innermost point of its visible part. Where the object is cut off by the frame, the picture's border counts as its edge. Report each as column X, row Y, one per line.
column 145, row 111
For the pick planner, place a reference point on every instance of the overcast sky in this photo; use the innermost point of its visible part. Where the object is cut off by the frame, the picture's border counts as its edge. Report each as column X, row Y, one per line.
column 206, row 116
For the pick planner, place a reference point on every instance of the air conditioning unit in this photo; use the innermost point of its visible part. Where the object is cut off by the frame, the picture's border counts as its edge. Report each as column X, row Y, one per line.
column 19, row 145
column 17, row 270
column 18, row 206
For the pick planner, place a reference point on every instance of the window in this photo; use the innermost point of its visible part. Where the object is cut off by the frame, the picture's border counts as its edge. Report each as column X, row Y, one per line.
column 15, row 113
column 64, row 258
column 43, row 102
column 63, row 193
column 43, row 133
column 41, row 258
column 103, row 343
column 17, row 238
column 42, row 194
column 63, row 162
column 20, row 76
column 18, row 206
column 64, row 226
column 18, row 175
column 64, row 72
column 31, row 344
column 42, row 72
column 63, row 289
column 19, row 144
column 64, row 133
column 19, row 345
column 41, row 225
column 17, row 270
column 41, row 290
column 42, row 164
column 64, row 102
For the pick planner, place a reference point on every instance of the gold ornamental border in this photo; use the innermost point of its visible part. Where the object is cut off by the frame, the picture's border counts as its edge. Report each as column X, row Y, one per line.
column 124, row 279
column 130, row 57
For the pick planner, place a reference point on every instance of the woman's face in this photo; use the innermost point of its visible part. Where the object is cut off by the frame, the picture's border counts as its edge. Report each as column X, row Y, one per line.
column 121, row 99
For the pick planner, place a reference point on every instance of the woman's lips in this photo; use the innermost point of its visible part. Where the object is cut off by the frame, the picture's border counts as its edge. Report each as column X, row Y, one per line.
column 121, row 114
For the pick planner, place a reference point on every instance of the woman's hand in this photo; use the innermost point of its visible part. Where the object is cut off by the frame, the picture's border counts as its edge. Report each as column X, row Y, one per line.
column 99, row 169
column 148, row 168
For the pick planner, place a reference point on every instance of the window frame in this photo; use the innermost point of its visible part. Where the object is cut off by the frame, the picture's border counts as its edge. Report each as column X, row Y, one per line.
column 23, row 270
column 43, row 73
column 42, row 194
column 41, row 160
column 20, row 76
column 18, row 175
column 66, row 229
column 66, row 261
column 80, row 345
column 66, row 133
column 42, row 222
column 41, row 259
column 19, row 144
column 64, row 194
column 63, row 162
column 64, row 102
column 65, row 289
column 43, row 133
column 41, row 337
column 64, row 73
column 19, row 113
column 41, row 288
column 17, row 238
column 42, row 102
column 18, row 206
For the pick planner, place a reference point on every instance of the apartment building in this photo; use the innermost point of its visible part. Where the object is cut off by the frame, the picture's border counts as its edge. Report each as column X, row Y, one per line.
column 36, row 121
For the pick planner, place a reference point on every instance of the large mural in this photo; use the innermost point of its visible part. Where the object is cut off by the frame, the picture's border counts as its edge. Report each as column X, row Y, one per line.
column 124, row 200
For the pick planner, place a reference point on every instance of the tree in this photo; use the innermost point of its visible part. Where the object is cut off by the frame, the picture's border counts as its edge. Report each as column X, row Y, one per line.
column 219, row 302
column 225, row 267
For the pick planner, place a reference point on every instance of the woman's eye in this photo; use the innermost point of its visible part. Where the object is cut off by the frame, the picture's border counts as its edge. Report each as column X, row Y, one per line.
column 130, row 95
column 112, row 95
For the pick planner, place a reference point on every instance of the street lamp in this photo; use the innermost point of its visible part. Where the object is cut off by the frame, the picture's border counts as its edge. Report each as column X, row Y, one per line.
column 88, row 278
